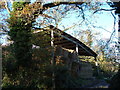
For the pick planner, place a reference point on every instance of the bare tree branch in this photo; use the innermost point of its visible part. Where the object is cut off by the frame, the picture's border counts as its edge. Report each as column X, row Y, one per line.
column 6, row 6
column 50, row 5
column 82, row 11
column 69, row 27
column 45, row 15
column 103, row 10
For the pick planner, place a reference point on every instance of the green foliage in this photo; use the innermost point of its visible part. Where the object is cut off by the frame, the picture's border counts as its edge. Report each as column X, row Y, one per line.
column 41, row 39
column 64, row 79
column 20, row 34
column 61, row 76
column 17, row 63
column 19, row 5
column 9, row 61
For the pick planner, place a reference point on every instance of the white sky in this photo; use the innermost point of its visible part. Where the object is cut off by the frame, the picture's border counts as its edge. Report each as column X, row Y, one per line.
column 102, row 19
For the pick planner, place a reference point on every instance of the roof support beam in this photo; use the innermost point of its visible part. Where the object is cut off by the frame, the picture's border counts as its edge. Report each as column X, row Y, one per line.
column 77, row 48
column 52, row 60
column 96, row 63
column 68, row 47
column 52, row 38
column 63, row 43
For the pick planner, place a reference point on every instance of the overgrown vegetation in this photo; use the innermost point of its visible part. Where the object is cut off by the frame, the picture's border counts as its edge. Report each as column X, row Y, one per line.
column 27, row 66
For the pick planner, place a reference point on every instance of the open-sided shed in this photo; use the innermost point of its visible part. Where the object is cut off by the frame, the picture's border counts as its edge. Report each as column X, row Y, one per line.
column 61, row 38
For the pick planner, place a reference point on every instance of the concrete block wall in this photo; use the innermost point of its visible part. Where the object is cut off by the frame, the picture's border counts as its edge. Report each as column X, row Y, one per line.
column 76, row 67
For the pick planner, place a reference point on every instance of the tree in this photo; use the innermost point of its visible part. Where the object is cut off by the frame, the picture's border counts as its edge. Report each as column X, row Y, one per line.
column 115, row 81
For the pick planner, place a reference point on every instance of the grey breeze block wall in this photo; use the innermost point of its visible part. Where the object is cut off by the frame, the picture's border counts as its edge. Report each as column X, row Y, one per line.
column 76, row 67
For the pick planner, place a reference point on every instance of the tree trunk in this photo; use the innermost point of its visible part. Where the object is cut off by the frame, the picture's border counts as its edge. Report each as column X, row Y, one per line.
column 115, row 81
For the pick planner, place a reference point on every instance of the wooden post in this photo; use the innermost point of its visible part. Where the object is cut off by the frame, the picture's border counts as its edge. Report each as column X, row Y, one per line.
column 96, row 63
column 52, row 61
column 77, row 48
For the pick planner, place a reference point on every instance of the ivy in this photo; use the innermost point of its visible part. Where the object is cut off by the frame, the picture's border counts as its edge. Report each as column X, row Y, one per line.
column 20, row 34
column 19, row 5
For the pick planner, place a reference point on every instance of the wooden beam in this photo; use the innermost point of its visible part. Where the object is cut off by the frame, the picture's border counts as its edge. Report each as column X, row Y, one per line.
column 58, row 38
column 68, row 47
column 66, row 44
column 63, row 42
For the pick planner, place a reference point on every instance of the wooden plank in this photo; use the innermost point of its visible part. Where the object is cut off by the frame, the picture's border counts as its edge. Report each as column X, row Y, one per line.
column 63, row 42
column 68, row 47
column 59, row 38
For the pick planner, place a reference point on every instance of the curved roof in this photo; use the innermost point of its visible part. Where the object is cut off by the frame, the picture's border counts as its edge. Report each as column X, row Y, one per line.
column 69, row 42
